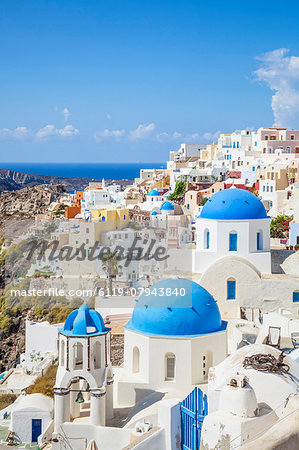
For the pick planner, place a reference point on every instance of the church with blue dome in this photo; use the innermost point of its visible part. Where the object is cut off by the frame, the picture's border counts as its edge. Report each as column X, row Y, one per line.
column 232, row 249
column 177, row 324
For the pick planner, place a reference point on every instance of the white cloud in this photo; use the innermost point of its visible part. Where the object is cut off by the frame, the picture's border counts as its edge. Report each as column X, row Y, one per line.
column 281, row 73
column 44, row 133
column 68, row 131
column 177, row 135
column 19, row 133
column 142, row 132
column 146, row 132
column 106, row 134
column 108, row 116
column 66, row 114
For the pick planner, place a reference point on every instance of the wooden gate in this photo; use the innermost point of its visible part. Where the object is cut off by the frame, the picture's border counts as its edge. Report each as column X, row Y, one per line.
column 193, row 410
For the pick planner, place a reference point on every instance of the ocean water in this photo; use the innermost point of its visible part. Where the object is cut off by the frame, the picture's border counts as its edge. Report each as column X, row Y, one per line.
column 109, row 171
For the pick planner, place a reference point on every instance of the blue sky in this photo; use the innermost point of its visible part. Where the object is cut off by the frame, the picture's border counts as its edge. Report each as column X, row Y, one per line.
column 125, row 81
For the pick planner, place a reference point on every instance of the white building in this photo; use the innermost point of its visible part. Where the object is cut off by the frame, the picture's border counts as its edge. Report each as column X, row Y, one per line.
column 175, row 335
column 31, row 416
column 232, row 259
column 41, row 344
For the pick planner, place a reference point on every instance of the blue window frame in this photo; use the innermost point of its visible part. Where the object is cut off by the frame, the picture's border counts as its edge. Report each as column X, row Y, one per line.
column 296, row 296
column 231, row 289
column 233, row 238
column 206, row 239
column 259, row 241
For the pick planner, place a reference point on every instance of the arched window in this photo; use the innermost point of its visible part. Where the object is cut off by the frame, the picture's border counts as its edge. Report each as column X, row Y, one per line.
column 169, row 366
column 231, row 289
column 233, row 241
column 62, row 353
column 97, row 355
column 78, row 356
column 259, row 240
column 136, row 360
column 206, row 239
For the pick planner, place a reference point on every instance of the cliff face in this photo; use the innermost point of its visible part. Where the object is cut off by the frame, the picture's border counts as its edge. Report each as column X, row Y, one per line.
column 11, row 180
column 27, row 202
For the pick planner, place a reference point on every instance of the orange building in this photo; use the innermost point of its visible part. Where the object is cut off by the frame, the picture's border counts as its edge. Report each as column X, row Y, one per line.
column 72, row 211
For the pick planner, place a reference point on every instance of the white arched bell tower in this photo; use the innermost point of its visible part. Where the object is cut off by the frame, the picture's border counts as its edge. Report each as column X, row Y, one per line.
column 84, row 368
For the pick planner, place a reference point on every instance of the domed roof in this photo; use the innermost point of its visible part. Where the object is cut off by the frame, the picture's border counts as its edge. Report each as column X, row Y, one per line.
column 233, row 204
column 154, row 213
column 189, row 311
column 84, row 322
column 154, row 193
column 167, row 206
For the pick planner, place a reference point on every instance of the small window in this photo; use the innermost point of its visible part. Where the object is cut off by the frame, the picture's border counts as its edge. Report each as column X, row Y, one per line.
column 231, row 289
column 62, row 353
column 292, row 137
column 170, row 366
column 259, row 240
column 206, row 239
column 296, row 296
column 233, row 241
column 136, row 360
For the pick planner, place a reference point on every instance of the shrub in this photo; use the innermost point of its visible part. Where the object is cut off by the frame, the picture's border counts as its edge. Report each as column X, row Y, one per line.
column 178, row 190
column 6, row 400
column 44, row 384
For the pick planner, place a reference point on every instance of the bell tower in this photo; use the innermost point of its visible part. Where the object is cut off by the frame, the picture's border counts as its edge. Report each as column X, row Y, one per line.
column 84, row 370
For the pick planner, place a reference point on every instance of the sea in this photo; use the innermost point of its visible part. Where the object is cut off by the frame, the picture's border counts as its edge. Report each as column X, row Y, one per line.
column 96, row 171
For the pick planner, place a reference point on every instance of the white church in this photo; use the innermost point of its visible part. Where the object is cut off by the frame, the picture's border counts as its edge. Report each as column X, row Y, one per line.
column 233, row 260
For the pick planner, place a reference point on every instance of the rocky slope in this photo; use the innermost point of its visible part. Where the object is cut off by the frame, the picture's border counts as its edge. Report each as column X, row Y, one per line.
column 11, row 180
column 28, row 202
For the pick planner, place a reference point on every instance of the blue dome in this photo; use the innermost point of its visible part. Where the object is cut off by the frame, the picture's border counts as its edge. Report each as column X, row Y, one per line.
column 233, row 204
column 167, row 206
column 154, row 193
column 154, row 213
column 189, row 311
column 84, row 322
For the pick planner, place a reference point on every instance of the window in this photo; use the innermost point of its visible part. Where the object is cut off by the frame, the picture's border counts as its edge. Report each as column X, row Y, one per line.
column 266, row 138
column 87, row 230
column 62, row 352
column 233, row 239
column 124, row 217
column 292, row 137
column 231, row 289
column 97, row 355
column 296, row 296
column 264, row 188
column 103, row 219
column 206, row 239
column 136, row 360
column 169, row 366
column 259, row 240
column 78, row 356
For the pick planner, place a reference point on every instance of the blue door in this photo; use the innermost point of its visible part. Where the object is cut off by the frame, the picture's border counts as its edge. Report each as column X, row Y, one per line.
column 193, row 411
column 36, row 429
